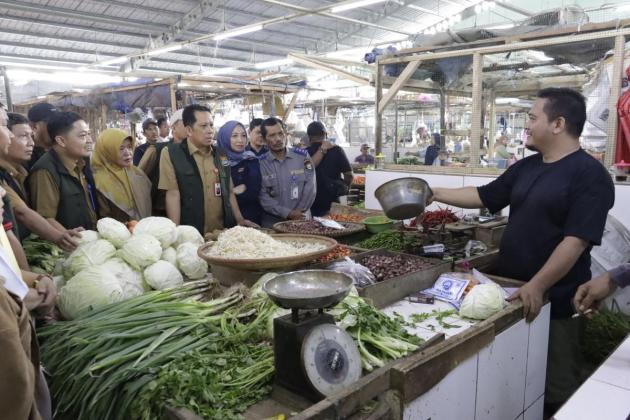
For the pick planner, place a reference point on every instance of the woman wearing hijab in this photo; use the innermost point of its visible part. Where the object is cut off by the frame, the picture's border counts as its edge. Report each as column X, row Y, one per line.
column 245, row 169
column 124, row 191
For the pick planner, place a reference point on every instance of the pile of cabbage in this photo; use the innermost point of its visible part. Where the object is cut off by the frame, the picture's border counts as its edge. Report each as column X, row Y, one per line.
column 113, row 264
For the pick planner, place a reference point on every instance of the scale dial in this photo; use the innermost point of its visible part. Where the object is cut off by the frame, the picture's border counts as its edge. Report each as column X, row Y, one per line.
column 330, row 358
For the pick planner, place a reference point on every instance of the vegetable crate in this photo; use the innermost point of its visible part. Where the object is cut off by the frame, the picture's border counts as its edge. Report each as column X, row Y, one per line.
column 393, row 289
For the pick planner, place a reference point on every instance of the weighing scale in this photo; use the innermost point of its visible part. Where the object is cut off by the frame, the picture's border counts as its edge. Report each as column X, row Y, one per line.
column 314, row 358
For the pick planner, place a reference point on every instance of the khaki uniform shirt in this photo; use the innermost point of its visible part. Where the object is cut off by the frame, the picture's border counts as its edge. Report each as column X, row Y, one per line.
column 213, row 205
column 19, row 174
column 45, row 192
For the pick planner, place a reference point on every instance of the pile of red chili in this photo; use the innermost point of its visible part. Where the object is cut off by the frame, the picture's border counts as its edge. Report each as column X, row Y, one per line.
column 436, row 218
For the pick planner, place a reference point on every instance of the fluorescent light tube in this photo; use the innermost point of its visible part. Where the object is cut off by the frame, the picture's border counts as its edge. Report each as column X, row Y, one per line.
column 117, row 60
column 274, row 63
column 354, row 5
column 165, row 49
column 236, row 32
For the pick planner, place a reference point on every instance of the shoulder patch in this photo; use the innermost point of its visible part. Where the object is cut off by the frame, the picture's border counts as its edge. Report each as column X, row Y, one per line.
column 299, row 151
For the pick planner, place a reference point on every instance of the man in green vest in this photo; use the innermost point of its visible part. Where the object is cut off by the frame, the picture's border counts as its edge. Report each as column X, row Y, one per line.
column 197, row 180
column 61, row 184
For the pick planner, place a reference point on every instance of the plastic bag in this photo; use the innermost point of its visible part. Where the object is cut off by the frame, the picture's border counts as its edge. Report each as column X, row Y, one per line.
column 361, row 276
column 474, row 248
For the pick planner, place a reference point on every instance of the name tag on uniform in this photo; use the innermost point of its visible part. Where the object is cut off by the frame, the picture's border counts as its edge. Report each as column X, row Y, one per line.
column 297, row 172
column 217, row 189
column 295, row 191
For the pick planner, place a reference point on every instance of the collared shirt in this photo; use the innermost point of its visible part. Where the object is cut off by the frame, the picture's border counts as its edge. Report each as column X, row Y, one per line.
column 279, row 180
column 262, row 150
column 19, row 174
column 45, row 191
column 213, row 205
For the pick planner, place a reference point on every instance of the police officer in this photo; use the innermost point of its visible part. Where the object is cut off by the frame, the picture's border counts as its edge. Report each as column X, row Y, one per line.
column 288, row 177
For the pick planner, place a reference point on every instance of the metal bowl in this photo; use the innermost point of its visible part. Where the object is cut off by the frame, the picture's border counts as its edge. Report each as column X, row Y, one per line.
column 403, row 198
column 308, row 289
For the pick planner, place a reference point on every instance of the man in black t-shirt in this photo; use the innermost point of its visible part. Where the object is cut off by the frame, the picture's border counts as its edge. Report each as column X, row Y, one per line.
column 558, row 199
column 331, row 164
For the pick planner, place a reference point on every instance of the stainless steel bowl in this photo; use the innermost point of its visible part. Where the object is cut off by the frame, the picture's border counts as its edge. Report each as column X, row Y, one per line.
column 403, row 198
column 308, row 289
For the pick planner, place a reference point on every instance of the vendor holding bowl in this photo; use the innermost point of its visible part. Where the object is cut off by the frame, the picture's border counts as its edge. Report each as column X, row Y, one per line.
column 558, row 199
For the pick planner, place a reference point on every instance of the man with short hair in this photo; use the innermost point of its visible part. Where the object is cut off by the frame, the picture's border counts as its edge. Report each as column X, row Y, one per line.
column 197, row 180
column 256, row 140
column 288, row 177
column 151, row 134
column 163, row 129
column 61, row 184
column 331, row 165
column 365, row 158
column 13, row 176
column 558, row 199
column 38, row 115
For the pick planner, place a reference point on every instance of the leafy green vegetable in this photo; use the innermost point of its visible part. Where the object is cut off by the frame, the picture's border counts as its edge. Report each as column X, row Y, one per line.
column 604, row 332
column 42, row 255
column 379, row 337
column 439, row 317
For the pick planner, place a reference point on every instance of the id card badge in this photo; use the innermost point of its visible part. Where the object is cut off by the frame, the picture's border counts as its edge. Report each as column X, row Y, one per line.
column 217, row 189
column 295, row 191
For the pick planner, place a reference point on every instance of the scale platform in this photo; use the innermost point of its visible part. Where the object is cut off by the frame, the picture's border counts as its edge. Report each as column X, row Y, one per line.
column 313, row 357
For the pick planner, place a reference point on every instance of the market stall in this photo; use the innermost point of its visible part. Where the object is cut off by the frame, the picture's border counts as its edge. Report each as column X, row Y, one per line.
column 155, row 351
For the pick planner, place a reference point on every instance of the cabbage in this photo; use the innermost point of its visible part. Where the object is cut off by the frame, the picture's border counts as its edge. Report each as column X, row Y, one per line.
column 131, row 280
column 190, row 263
column 159, row 227
column 92, row 288
column 88, row 236
column 482, row 301
column 257, row 289
column 170, row 255
column 141, row 251
column 113, row 231
column 59, row 282
column 88, row 255
column 188, row 234
column 163, row 275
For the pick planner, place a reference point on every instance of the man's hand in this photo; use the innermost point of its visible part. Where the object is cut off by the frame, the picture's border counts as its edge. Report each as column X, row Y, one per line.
column 532, row 298
column 33, row 299
column 590, row 294
column 296, row 215
column 68, row 240
column 46, row 288
column 248, row 223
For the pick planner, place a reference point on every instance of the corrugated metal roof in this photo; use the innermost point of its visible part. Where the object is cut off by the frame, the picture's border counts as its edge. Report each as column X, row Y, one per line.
column 85, row 31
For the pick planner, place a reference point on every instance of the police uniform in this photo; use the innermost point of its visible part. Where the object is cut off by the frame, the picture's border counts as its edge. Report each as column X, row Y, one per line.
column 287, row 185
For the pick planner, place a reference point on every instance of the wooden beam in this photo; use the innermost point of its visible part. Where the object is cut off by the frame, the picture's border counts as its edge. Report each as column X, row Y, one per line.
column 475, row 128
column 378, row 120
column 492, row 123
column 173, row 87
column 567, row 30
column 291, row 106
column 516, row 46
column 615, row 91
column 529, row 85
column 329, row 68
column 400, row 82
